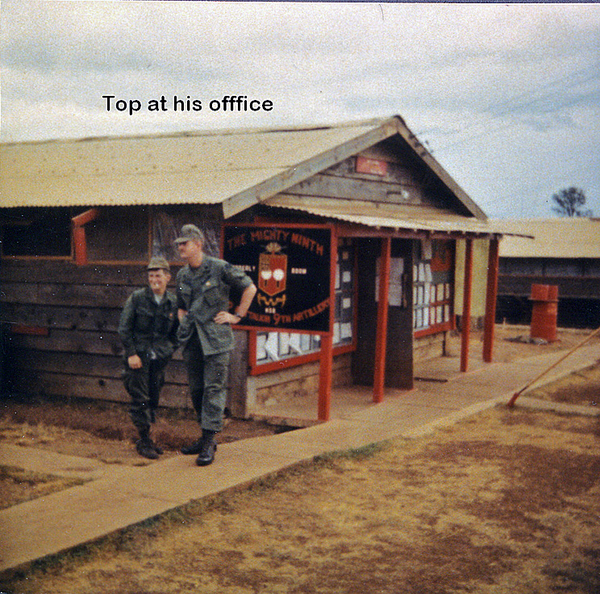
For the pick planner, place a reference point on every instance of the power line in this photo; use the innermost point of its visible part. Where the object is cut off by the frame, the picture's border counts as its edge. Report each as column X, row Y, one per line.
column 594, row 73
column 574, row 79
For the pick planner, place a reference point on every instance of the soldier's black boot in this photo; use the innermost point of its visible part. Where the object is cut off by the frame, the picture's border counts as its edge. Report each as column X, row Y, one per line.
column 156, row 447
column 144, row 445
column 193, row 448
column 207, row 449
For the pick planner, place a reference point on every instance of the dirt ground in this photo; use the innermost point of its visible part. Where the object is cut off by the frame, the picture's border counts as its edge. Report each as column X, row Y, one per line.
column 580, row 388
column 92, row 430
column 102, row 430
column 505, row 501
column 513, row 342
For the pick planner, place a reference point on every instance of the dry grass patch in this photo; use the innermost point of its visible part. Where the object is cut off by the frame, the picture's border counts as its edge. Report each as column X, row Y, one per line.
column 504, row 502
column 103, row 430
column 580, row 388
column 20, row 485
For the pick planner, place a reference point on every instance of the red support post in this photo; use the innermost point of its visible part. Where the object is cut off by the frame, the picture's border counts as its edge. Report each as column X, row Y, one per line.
column 79, row 242
column 326, row 362
column 80, row 246
column 325, row 377
column 85, row 217
column 490, row 300
column 466, row 313
column 382, row 319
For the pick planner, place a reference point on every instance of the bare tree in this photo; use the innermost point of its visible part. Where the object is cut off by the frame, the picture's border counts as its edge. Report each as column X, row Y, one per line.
column 569, row 203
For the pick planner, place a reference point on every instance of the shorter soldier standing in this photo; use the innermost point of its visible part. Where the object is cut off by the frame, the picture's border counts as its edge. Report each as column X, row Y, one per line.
column 148, row 330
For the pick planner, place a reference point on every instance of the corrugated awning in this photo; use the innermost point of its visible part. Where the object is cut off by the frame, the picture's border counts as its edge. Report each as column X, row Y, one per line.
column 387, row 217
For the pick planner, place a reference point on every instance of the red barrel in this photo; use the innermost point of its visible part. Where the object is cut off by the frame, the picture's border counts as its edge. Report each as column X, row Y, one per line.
column 544, row 311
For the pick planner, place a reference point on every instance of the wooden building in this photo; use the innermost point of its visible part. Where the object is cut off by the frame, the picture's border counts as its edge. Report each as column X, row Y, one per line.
column 564, row 252
column 80, row 218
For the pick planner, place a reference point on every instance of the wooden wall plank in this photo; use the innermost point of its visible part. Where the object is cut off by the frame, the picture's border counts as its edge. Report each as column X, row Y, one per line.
column 99, row 343
column 358, row 189
column 72, row 363
column 571, row 287
column 73, row 341
column 28, row 360
column 238, row 376
column 65, row 294
column 39, row 270
column 72, row 386
column 341, row 365
column 62, row 317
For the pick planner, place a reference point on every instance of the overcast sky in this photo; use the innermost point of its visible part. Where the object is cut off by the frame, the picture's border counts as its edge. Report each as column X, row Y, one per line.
column 507, row 97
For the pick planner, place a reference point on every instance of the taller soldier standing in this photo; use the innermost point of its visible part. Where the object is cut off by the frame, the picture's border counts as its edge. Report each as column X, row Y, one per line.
column 203, row 288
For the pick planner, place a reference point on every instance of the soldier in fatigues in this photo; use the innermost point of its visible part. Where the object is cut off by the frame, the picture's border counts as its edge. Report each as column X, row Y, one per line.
column 203, row 287
column 148, row 330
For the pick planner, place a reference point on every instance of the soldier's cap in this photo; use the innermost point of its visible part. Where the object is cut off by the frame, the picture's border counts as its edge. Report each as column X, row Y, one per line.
column 190, row 233
column 158, row 263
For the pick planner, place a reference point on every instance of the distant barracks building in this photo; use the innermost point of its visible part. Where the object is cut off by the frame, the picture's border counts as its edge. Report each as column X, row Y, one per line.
column 351, row 233
column 562, row 252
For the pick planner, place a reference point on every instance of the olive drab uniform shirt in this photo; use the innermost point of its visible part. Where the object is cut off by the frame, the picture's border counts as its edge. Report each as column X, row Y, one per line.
column 148, row 328
column 203, row 292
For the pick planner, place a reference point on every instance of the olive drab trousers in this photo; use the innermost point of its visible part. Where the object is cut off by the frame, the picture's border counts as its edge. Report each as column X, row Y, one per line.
column 144, row 386
column 207, row 377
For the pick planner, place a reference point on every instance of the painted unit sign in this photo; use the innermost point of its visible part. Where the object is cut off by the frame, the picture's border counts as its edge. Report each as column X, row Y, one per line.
column 290, row 266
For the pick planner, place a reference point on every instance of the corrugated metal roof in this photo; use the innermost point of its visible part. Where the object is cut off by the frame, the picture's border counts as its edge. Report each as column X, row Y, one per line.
column 235, row 168
column 386, row 216
column 552, row 238
column 205, row 168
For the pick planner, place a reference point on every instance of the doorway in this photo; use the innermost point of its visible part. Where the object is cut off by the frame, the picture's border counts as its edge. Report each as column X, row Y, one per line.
column 399, row 346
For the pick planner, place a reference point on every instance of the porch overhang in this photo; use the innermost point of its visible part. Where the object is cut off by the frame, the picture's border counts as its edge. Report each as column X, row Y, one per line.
column 369, row 218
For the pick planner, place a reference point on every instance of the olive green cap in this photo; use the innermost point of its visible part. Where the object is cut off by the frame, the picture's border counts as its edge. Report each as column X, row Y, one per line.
column 158, row 263
column 190, row 233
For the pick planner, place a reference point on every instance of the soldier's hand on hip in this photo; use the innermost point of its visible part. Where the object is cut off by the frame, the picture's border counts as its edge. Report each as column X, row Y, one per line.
column 224, row 317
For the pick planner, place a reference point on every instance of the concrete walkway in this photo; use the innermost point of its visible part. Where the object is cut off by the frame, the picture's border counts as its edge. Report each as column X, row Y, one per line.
column 117, row 496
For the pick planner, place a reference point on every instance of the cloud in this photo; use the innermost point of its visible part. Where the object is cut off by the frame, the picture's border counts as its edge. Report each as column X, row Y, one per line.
column 492, row 88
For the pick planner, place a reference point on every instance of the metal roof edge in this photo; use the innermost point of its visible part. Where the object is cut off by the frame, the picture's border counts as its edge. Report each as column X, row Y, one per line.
column 208, row 132
column 412, row 140
column 549, row 220
column 552, row 237
column 382, row 129
column 379, row 130
column 468, row 227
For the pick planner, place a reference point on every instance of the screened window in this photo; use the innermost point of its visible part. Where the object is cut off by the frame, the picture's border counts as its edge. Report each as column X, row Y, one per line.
column 42, row 232
column 433, row 286
column 134, row 234
column 118, row 234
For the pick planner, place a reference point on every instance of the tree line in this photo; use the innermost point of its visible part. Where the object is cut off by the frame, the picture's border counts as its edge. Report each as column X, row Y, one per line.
column 570, row 202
